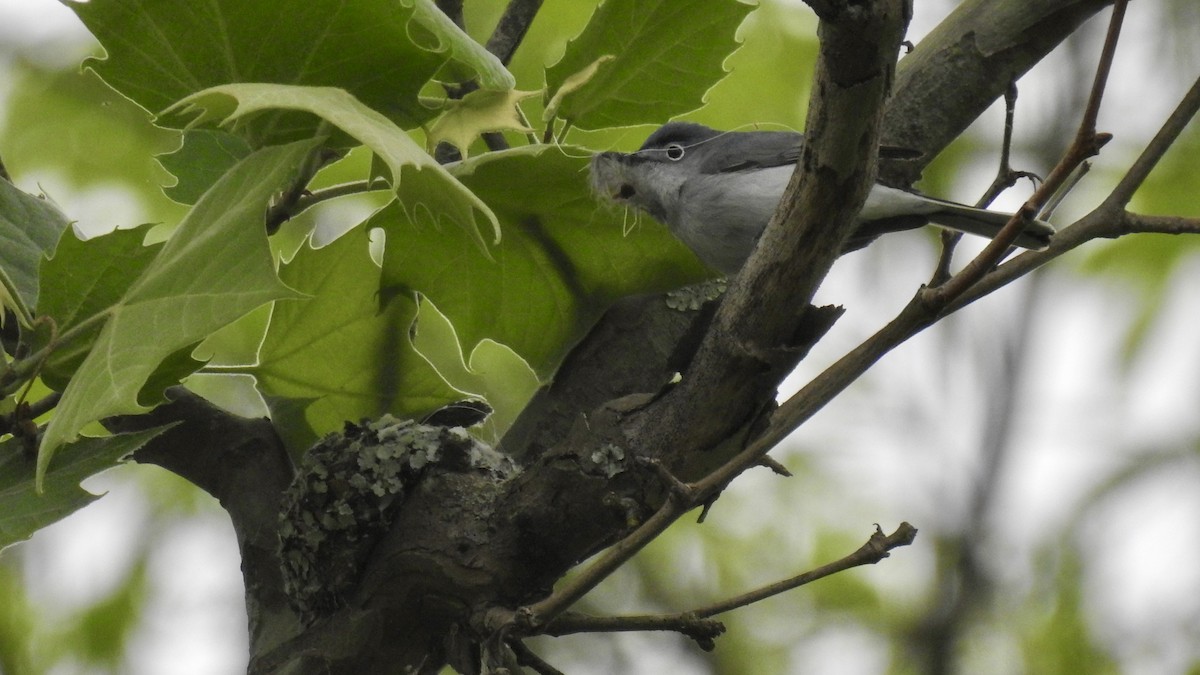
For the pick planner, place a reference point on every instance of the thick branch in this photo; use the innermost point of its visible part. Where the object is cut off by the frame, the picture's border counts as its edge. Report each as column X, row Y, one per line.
column 762, row 327
column 758, row 330
column 964, row 65
column 243, row 463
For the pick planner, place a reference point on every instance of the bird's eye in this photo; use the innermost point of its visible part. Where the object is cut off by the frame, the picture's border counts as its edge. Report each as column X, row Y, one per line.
column 674, row 152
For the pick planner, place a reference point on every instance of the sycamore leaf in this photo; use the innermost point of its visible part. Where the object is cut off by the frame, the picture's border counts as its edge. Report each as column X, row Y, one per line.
column 23, row 511
column 82, row 280
column 205, row 156
column 216, row 267
column 29, row 231
column 492, row 371
column 335, row 351
column 382, row 51
column 668, row 53
column 476, row 113
column 420, row 182
column 573, row 83
column 469, row 59
column 563, row 260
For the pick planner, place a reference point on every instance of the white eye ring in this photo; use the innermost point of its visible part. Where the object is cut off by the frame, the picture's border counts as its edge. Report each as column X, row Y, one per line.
column 674, row 152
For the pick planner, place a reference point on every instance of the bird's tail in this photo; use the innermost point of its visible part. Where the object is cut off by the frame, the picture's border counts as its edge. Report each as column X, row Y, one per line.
column 1036, row 234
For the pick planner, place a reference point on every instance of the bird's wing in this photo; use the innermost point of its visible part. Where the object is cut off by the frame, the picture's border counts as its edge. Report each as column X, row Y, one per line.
column 766, row 149
column 756, row 150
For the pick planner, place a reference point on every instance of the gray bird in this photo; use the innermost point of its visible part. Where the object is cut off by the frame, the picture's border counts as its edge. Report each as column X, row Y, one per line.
column 716, row 190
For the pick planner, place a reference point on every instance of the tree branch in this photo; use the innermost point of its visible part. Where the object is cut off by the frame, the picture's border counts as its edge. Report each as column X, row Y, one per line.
column 1087, row 144
column 877, row 547
column 761, row 328
column 694, row 624
column 1107, row 220
column 965, row 64
column 243, row 463
column 511, row 28
column 286, row 206
column 307, row 200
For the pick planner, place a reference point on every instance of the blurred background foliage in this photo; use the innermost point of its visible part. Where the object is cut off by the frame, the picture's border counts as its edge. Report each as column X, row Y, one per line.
column 1045, row 441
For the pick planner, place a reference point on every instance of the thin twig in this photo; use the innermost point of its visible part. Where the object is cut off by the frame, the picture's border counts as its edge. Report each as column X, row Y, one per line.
column 1162, row 141
column 941, row 271
column 1005, row 178
column 527, row 658
column 570, row 623
column 1072, row 181
column 533, row 618
column 43, row 405
column 877, row 547
column 1106, row 220
column 703, row 630
column 285, row 207
column 1087, row 144
column 697, row 624
column 1136, row 222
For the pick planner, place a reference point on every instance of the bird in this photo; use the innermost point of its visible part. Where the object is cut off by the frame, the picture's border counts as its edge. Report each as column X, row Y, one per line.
column 716, row 191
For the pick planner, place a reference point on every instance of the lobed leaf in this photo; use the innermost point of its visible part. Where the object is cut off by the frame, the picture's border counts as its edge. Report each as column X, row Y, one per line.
column 420, row 182
column 85, row 279
column 215, row 268
column 29, row 232
column 492, row 370
column 382, row 51
column 562, row 261
column 665, row 54
column 336, row 353
column 205, row 156
column 479, row 112
column 23, row 511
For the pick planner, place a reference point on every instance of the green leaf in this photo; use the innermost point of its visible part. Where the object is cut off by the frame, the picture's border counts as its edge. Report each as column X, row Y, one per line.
column 420, row 182
column 573, row 83
column 668, row 53
column 493, row 371
column 215, row 268
column 469, row 59
column 337, row 350
column 476, row 113
column 160, row 51
column 85, row 279
column 23, row 511
column 563, row 260
column 29, row 231
column 205, row 156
